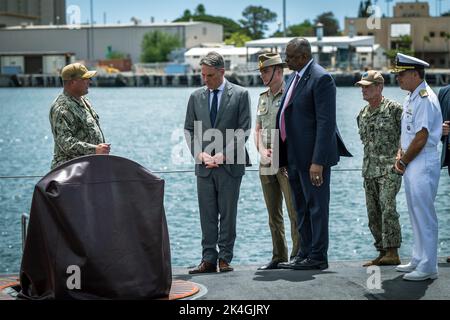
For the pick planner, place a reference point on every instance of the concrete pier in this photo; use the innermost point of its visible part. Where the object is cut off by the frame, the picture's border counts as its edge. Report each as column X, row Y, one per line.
column 344, row 280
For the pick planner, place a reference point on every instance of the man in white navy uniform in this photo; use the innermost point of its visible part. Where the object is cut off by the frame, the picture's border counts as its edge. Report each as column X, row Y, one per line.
column 418, row 161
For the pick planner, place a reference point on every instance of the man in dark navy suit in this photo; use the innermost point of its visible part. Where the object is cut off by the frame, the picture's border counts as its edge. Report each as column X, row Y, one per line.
column 444, row 100
column 310, row 144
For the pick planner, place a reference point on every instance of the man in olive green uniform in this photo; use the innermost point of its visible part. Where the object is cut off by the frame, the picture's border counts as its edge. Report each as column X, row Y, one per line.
column 75, row 124
column 379, row 126
column 274, row 181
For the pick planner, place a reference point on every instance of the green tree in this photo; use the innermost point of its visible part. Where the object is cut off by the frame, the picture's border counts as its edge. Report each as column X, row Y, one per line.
column 238, row 39
column 304, row 29
column 363, row 9
column 330, row 23
column 255, row 21
column 200, row 10
column 447, row 57
column 403, row 45
column 186, row 15
column 157, row 45
column 426, row 39
column 229, row 26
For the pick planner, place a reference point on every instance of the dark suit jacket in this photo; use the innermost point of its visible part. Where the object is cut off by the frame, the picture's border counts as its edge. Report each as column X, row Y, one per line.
column 444, row 100
column 310, row 119
column 234, row 113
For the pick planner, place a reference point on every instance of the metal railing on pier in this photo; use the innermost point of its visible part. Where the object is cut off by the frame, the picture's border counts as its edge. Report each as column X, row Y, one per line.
column 5, row 177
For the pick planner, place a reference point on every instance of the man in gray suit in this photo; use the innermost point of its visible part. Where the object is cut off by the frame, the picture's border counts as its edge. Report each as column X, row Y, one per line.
column 217, row 125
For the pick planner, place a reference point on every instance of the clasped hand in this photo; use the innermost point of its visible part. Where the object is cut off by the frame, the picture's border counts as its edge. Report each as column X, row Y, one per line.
column 212, row 162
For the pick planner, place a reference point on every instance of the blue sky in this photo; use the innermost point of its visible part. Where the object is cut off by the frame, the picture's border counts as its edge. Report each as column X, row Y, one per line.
column 168, row 10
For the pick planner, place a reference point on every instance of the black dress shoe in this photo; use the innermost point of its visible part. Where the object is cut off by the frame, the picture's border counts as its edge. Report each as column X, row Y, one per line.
column 270, row 266
column 290, row 265
column 310, row 264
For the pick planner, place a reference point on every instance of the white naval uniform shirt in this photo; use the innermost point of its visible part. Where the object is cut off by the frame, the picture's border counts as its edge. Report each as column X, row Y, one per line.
column 421, row 113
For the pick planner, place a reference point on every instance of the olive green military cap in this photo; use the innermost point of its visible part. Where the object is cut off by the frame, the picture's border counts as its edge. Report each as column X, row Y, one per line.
column 76, row 71
column 270, row 59
column 370, row 77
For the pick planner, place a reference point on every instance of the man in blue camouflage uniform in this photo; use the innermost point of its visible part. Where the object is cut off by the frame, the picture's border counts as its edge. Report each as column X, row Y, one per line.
column 75, row 125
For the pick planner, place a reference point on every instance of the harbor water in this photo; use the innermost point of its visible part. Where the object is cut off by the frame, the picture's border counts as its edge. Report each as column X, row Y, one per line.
column 146, row 125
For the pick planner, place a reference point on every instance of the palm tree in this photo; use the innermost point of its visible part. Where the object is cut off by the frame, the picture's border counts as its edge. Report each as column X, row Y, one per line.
column 426, row 39
column 447, row 56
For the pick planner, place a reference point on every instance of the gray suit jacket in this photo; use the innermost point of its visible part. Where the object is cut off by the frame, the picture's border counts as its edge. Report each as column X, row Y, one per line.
column 234, row 113
column 444, row 100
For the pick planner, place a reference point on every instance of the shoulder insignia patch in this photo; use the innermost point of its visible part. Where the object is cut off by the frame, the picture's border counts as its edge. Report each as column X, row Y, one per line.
column 423, row 93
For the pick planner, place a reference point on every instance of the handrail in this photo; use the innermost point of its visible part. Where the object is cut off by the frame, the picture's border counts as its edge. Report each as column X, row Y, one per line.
column 180, row 171
column 168, row 172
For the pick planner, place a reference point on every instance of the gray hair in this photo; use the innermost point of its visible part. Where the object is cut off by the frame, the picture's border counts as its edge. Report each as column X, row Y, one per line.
column 301, row 46
column 213, row 59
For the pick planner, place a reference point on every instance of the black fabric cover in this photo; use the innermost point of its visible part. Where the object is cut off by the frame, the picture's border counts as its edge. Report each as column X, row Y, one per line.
column 104, row 214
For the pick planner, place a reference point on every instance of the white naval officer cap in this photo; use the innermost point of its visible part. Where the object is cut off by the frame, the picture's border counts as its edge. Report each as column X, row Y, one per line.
column 404, row 62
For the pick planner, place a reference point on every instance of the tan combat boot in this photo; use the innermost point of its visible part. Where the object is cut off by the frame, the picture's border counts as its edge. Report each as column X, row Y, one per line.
column 376, row 261
column 391, row 258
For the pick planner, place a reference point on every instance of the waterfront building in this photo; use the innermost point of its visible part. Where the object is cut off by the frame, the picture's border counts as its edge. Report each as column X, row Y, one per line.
column 34, row 62
column 92, row 43
column 27, row 12
column 337, row 52
column 429, row 35
column 233, row 56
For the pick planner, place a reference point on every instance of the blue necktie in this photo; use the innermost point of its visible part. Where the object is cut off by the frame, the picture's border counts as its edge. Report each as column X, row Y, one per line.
column 214, row 106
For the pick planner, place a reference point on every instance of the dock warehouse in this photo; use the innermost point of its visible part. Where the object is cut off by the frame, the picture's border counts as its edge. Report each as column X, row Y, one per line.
column 92, row 43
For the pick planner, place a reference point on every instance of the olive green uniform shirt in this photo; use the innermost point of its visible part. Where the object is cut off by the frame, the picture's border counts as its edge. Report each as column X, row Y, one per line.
column 266, row 115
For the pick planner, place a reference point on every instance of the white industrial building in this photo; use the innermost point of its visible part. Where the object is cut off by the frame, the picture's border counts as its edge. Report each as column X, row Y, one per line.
column 34, row 62
column 91, row 43
column 333, row 52
column 233, row 56
column 374, row 57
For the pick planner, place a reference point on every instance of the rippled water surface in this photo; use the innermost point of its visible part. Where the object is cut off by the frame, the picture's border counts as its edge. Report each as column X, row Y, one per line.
column 145, row 125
